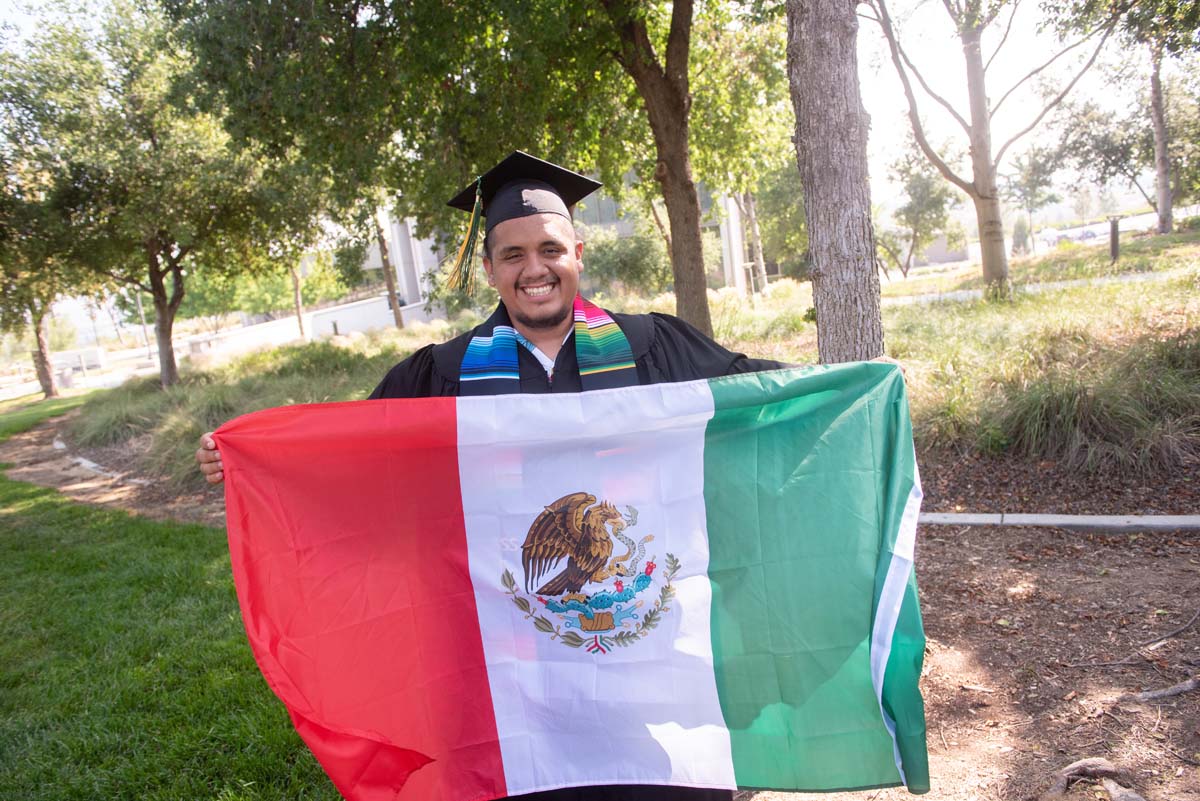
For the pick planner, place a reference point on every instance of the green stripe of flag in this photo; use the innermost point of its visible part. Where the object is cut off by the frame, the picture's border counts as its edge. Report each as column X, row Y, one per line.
column 808, row 492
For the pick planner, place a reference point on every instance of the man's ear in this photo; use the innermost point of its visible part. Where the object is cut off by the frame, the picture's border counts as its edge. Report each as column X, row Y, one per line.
column 579, row 253
column 487, row 268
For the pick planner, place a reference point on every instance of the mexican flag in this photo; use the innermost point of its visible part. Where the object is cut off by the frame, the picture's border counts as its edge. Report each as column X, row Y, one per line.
column 703, row 584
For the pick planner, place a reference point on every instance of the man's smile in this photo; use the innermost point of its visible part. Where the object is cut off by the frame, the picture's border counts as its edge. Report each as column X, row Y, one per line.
column 538, row 290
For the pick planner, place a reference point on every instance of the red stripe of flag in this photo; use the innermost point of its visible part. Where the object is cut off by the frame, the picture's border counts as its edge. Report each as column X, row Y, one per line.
column 326, row 588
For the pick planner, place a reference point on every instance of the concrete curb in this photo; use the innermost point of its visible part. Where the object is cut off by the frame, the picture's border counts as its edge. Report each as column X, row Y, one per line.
column 1075, row 522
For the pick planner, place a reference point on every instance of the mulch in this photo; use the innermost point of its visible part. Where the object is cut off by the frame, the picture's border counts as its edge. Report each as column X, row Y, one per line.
column 971, row 482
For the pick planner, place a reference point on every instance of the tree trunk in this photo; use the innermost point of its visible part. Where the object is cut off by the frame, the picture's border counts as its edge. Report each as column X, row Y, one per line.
column 663, row 87
column 164, row 322
column 1162, row 162
column 831, row 150
column 760, row 263
column 991, row 246
column 165, row 307
column 674, row 174
column 986, row 195
column 297, row 303
column 389, row 273
column 41, row 356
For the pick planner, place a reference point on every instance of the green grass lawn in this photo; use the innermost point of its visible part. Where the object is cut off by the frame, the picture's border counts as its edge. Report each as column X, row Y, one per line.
column 124, row 669
column 21, row 414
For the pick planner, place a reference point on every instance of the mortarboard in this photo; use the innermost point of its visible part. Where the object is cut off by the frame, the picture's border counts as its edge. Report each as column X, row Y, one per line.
column 518, row 186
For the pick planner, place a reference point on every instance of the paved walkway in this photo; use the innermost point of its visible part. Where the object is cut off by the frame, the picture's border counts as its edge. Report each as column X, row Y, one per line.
column 1074, row 522
column 1045, row 286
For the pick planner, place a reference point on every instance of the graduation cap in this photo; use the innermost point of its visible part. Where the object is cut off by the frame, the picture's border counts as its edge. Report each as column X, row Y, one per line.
column 518, row 186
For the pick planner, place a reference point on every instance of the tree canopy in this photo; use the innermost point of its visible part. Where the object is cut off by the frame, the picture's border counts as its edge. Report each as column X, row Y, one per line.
column 419, row 98
column 150, row 184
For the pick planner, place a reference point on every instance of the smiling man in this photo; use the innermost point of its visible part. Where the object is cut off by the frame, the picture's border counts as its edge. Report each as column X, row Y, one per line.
column 545, row 337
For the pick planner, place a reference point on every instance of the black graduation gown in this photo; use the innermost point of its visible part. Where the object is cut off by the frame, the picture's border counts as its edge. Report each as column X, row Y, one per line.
column 664, row 349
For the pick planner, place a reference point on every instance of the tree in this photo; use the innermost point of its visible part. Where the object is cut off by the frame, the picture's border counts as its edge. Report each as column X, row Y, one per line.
column 781, row 219
column 636, row 263
column 419, row 97
column 284, row 284
column 33, row 270
column 823, row 75
column 971, row 18
column 1104, row 146
column 152, row 187
column 1022, row 241
column 1163, row 28
column 36, row 267
column 925, row 212
column 1031, row 186
column 742, row 101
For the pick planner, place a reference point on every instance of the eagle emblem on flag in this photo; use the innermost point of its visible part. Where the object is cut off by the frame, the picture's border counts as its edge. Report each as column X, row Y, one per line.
column 595, row 601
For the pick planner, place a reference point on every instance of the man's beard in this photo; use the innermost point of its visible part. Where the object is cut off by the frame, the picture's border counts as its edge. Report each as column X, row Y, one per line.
column 550, row 321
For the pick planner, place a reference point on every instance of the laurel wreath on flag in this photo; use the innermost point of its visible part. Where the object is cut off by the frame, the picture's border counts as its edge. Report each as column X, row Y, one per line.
column 622, row 638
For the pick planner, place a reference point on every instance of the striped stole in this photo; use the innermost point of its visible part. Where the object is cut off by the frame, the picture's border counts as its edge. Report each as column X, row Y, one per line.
column 490, row 365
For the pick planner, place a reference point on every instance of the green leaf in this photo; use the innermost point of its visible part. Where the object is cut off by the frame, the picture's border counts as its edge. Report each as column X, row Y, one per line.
column 572, row 639
column 542, row 624
column 522, row 604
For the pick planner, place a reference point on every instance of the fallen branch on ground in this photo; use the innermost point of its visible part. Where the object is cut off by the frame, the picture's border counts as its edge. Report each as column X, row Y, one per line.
column 1091, row 768
column 1154, row 695
column 1171, row 634
column 1130, row 660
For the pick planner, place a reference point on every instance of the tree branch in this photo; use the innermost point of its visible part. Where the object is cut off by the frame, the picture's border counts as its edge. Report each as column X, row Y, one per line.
column 1152, row 201
column 885, row 22
column 177, row 289
column 679, row 43
column 1057, row 99
column 920, row 79
column 1003, row 38
column 892, row 254
column 127, row 281
column 1044, row 66
column 912, row 246
column 638, row 57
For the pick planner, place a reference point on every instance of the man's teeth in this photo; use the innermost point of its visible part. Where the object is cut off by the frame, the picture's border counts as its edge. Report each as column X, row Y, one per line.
column 538, row 291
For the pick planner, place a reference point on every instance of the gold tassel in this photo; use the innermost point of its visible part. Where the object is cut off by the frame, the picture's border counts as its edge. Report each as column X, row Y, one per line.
column 462, row 275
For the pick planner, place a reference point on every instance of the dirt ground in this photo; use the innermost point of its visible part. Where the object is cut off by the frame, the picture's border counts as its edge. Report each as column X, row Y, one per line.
column 1034, row 635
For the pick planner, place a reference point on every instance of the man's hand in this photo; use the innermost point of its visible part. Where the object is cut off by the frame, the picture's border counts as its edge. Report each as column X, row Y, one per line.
column 209, row 459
